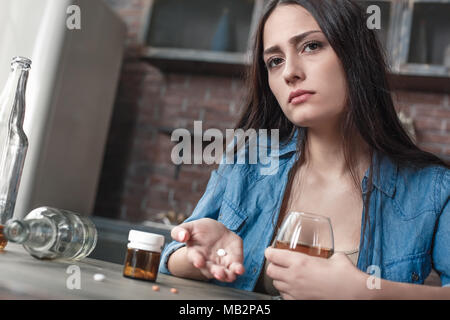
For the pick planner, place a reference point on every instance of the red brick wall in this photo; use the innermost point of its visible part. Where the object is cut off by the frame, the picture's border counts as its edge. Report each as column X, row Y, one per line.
column 431, row 115
column 138, row 177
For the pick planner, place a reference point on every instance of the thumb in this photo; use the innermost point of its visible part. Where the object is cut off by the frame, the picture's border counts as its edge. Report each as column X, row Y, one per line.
column 182, row 233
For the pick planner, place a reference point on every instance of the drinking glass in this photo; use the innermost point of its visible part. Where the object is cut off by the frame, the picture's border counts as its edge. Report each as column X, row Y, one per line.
column 307, row 233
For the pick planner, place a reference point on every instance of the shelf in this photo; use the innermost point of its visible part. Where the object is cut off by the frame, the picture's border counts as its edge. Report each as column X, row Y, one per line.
column 414, row 66
column 220, row 25
column 199, row 36
column 195, row 55
column 196, row 61
column 424, row 39
column 419, row 83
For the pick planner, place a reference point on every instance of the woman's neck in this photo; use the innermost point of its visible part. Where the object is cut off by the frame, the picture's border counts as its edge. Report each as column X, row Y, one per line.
column 325, row 154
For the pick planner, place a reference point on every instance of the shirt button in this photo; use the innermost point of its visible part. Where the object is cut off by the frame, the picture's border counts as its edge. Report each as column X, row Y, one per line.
column 254, row 270
column 414, row 277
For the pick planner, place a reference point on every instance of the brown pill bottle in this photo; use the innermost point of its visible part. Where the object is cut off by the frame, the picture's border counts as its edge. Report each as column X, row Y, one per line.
column 143, row 255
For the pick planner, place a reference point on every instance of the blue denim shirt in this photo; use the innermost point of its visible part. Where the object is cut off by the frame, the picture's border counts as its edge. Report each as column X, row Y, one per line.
column 409, row 216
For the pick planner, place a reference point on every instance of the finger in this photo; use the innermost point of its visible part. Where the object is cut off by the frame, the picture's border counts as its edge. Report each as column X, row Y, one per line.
column 188, row 227
column 217, row 271
column 224, row 274
column 230, row 276
column 287, row 296
column 221, row 273
column 206, row 273
column 277, row 272
column 199, row 262
column 237, row 268
column 281, row 286
column 180, row 234
column 279, row 257
column 196, row 258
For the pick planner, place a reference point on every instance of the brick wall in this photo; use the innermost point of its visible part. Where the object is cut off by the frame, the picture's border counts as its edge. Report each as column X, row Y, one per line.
column 138, row 178
column 431, row 115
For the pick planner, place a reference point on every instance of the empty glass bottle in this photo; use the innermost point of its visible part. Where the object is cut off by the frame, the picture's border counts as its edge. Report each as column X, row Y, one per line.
column 49, row 233
column 13, row 141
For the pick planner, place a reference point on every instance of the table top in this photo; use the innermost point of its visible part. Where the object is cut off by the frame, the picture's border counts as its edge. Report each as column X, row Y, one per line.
column 25, row 277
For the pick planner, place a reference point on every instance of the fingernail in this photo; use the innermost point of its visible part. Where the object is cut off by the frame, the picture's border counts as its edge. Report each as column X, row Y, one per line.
column 181, row 235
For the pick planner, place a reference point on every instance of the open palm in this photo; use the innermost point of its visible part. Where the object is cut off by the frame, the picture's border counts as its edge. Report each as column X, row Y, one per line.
column 203, row 238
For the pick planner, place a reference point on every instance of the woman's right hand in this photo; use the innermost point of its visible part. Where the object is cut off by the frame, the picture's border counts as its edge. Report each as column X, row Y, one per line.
column 203, row 238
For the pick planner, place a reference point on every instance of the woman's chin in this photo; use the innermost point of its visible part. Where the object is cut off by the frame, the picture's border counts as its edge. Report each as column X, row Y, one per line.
column 301, row 121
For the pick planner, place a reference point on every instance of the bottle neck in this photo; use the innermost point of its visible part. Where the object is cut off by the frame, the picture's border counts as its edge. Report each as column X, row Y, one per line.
column 18, row 109
column 32, row 232
column 16, row 231
column 12, row 109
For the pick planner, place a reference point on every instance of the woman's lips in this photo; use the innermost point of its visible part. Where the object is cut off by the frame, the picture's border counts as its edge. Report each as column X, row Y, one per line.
column 301, row 98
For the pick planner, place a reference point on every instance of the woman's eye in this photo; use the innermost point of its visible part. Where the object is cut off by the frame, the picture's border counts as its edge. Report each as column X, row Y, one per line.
column 274, row 62
column 313, row 46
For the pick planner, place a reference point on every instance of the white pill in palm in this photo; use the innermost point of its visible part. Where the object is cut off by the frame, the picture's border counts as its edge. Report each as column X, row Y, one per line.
column 221, row 252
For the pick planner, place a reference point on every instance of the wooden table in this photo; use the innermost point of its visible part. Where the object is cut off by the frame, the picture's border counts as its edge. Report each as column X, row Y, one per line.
column 24, row 277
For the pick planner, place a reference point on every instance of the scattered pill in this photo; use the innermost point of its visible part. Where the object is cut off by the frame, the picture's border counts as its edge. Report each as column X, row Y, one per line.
column 155, row 288
column 99, row 277
column 173, row 290
column 221, row 252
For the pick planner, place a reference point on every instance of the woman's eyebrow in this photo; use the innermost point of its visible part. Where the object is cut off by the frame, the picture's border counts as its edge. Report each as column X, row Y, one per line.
column 294, row 40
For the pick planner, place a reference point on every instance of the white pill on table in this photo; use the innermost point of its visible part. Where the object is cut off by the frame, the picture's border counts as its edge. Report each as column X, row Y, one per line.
column 99, row 277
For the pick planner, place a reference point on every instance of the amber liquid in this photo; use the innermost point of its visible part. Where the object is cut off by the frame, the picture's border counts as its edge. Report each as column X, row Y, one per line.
column 3, row 240
column 141, row 264
column 309, row 250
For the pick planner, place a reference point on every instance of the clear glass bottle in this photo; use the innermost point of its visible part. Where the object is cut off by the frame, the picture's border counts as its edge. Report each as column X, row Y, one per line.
column 49, row 233
column 13, row 141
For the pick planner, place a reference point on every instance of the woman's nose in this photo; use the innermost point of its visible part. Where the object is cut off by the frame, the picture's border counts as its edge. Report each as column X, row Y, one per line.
column 293, row 71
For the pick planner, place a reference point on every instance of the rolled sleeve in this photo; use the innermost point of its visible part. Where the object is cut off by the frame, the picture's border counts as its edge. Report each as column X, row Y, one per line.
column 441, row 247
column 208, row 207
column 168, row 250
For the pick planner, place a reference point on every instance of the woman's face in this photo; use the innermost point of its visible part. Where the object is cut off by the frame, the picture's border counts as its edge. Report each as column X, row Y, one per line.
column 298, row 57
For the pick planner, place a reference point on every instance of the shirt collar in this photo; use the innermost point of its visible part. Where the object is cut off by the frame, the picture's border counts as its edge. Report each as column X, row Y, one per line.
column 385, row 171
column 384, row 174
column 286, row 147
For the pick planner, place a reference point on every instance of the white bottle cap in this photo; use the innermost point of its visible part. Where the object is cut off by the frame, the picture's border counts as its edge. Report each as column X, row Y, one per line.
column 145, row 241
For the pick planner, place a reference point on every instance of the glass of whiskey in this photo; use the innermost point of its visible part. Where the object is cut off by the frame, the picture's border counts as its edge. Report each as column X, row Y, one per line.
column 307, row 233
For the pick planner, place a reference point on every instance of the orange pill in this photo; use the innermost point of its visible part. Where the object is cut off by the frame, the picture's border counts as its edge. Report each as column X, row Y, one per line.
column 155, row 288
column 173, row 290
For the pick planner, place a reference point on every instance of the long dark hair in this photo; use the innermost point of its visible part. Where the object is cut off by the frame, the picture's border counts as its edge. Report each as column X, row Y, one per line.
column 370, row 110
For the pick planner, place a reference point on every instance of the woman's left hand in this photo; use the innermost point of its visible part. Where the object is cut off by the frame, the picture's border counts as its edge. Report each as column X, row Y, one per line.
column 300, row 276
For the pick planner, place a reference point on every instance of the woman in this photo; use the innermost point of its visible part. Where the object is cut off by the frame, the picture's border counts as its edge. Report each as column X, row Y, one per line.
column 344, row 155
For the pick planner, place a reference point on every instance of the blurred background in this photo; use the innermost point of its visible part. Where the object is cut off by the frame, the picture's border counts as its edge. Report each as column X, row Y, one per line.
column 168, row 36
column 102, row 101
